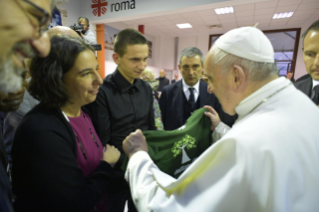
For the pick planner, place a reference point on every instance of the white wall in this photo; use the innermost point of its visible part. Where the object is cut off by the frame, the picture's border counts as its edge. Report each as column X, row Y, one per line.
column 300, row 69
column 73, row 11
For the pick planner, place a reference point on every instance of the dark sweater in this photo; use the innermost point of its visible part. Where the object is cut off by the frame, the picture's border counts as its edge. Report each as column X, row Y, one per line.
column 163, row 82
column 46, row 175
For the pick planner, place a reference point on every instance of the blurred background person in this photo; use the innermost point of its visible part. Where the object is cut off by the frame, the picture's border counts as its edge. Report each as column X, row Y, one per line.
column 67, row 167
column 290, row 76
column 148, row 76
column 176, row 78
column 87, row 34
column 163, row 81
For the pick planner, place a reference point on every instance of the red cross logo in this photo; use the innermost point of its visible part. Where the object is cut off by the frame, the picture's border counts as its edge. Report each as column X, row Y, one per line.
column 99, row 6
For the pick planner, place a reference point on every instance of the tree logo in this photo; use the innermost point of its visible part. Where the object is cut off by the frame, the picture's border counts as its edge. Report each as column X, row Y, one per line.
column 179, row 146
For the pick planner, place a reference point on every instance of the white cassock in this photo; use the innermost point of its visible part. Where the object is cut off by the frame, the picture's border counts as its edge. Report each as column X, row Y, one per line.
column 268, row 161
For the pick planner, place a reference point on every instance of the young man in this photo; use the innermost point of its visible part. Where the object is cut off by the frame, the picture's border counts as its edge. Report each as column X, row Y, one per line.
column 266, row 162
column 309, row 85
column 179, row 100
column 124, row 104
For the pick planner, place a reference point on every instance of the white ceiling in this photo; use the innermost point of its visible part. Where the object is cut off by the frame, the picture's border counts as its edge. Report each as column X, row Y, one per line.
column 244, row 15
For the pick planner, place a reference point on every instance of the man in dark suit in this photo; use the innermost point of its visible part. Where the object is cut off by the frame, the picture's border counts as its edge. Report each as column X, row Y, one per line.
column 179, row 100
column 176, row 78
column 309, row 84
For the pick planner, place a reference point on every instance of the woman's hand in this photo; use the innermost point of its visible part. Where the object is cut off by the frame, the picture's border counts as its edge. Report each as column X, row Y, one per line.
column 111, row 155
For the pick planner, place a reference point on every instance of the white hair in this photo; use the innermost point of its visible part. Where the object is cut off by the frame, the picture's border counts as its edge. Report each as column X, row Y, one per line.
column 148, row 73
column 257, row 71
column 10, row 76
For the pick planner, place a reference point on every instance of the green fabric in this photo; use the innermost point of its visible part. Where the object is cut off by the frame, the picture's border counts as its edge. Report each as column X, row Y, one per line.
column 163, row 145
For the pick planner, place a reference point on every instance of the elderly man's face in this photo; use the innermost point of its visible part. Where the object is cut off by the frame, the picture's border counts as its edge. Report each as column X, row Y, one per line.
column 218, row 84
column 20, row 38
column 311, row 53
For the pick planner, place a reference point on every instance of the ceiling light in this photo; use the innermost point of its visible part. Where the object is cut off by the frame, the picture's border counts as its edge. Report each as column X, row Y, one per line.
column 283, row 15
column 184, row 26
column 225, row 10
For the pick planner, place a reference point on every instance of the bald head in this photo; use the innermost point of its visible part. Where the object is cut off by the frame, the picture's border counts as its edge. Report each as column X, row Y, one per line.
column 62, row 30
column 162, row 73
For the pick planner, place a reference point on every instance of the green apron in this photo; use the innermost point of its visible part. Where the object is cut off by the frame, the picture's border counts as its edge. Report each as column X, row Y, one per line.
column 173, row 151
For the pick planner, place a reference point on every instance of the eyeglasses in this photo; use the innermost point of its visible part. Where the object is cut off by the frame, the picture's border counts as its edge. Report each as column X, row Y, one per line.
column 42, row 16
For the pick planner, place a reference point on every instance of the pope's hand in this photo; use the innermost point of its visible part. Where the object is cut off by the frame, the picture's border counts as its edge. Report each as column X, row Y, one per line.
column 213, row 116
column 134, row 142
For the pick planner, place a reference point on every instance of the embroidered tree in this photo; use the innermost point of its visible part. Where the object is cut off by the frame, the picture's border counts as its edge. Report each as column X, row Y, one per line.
column 179, row 146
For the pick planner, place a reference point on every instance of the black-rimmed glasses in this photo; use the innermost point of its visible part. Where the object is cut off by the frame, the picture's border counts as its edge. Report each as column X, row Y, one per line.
column 43, row 18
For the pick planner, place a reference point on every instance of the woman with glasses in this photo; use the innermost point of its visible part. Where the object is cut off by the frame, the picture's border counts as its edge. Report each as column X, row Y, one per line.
column 59, row 162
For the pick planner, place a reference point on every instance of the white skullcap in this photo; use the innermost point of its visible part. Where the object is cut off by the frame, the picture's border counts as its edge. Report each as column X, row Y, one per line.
column 248, row 43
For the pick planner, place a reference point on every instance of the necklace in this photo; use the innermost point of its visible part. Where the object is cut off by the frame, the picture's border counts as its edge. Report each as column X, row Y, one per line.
column 266, row 99
column 81, row 144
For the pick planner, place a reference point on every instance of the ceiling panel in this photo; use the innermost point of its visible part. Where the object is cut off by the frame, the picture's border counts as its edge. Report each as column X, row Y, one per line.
column 231, row 20
column 206, row 12
column 174, row 17
column 307, row 1
column 288, row 2
column 311, row 5
column 226, row 16
column 249, row 18
column 284, row 9
column 179, row 21
column 304, row 12
column 244, row 13
column 300, row 18
column 265, row 11
column 244, row 7
column 266, row 4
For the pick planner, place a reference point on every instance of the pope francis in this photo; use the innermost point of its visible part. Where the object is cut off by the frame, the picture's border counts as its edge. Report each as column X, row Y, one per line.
column 268, row 160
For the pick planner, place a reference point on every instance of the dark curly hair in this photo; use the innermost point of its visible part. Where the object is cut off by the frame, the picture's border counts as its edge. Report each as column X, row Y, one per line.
column 47, row 73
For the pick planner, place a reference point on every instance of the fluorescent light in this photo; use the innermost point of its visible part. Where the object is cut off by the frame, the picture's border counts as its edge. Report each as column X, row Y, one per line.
column 283, row 15
column 184, row 26
column 225, row 10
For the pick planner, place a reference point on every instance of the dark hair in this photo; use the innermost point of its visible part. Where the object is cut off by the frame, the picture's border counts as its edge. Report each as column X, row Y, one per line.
column 314, row 26
column 47, row 73
column 127, row 37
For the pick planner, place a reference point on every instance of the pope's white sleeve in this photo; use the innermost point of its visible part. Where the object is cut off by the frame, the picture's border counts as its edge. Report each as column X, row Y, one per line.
column 140, row 178
column 220, row 130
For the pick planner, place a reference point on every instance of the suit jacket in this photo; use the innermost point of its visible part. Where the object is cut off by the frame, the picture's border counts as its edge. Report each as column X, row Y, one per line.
column 171, row 104
column 304, row 85
column 173, row 81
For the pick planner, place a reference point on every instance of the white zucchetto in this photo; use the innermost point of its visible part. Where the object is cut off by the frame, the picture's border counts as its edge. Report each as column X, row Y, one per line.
column 248, row 43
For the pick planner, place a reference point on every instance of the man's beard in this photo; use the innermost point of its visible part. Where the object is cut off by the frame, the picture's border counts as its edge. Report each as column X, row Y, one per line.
column 10, row 73
column 10, row 76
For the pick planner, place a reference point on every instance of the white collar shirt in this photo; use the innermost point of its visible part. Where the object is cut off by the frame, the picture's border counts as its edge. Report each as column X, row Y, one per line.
column 187, row 92
column 314, row 83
